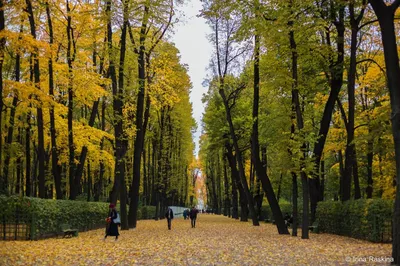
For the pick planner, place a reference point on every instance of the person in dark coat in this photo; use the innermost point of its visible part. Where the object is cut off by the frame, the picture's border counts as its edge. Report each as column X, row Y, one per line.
column 193, row 216
column 169, row 215
column 112, row 227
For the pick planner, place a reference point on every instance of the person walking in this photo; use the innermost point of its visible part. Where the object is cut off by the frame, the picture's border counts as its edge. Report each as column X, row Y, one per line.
column 112, row 223
column 169, row 215
column 193, row 216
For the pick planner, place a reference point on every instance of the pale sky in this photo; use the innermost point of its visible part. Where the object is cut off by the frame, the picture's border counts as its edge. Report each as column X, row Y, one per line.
column 190, row 38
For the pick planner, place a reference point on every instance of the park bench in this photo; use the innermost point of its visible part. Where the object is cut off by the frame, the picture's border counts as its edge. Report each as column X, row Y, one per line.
column 68, row 231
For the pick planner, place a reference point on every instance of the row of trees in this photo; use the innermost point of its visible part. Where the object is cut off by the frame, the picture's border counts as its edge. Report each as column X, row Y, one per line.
column 302, row 91
column 94, row 103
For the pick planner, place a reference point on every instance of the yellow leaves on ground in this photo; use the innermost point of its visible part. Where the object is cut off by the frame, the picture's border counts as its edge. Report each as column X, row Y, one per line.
column 216, row 240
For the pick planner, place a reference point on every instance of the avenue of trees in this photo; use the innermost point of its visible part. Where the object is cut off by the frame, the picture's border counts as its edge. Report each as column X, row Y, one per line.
column 94, row 103
column 303, row 106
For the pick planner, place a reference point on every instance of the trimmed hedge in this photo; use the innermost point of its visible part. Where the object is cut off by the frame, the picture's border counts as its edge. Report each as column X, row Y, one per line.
column 147, row 212
column 46, row 216
column 369, row 219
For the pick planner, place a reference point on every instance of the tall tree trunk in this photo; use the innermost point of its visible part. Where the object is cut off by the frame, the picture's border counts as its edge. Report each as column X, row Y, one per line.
column 370, row 158
column 121, row 140
column 235, row 213
column 252, row 172
column 385, row 16
column 145, row 177
column 3, row 178
column 218, row 185
column 357, row 189
column 239, row 159
column 322, row 188
column 239, row 186
column 12, row 112
column 113, row 76
column 89, row 182
column 28, row 179
column 336, row 82
column 293, row 173
column 255, row 147
column 55, row 166
column 84, row 151
column 341, row 173
column 211, row 175
column 36, row 72
column 74, row 188
column 279, row 188
column 351, row 78
column 300, row 126
column 102, row 169
column 227, row 204
column 138, row 144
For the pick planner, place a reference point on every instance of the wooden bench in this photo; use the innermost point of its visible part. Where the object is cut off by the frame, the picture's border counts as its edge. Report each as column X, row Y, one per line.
column 68, row 231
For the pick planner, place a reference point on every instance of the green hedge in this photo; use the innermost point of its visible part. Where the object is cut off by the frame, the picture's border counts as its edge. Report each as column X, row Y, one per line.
column 369, row 219
column 47, row 216
column 147, row 212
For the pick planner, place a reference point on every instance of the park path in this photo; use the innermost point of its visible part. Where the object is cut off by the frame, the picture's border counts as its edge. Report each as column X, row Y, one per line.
column 216, row 240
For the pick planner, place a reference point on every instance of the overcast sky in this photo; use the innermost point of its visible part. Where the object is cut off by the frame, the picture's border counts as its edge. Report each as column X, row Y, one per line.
column 190, row 38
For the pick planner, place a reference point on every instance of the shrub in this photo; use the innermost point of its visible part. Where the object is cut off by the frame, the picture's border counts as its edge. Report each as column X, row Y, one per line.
column 45, row 216
column 369, row 219
column 148, row 212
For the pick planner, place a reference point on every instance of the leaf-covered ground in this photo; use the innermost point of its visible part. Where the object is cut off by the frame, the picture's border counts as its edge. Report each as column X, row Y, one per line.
column 216, row 240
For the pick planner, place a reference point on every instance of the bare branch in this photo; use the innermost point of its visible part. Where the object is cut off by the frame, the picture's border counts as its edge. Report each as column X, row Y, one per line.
column 372, row 61
column 171, row 14
column 362, row 125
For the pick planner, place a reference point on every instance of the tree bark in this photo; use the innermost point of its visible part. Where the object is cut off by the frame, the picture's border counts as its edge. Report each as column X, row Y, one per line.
column 238, row 155
column 300, row 126
column 36, row 74
column 255, row 149
column 235, row 207
column 235, row 176
column 336, row 82
column 121, row 139
column 3, row 178
column 385, row 16
column 370, row 158
column 227, row 204
column 74, row 188
column 138, row 144
column 28, row 179
column 55, row 166
column 84, row 151
column 12, row 112
column 351, row 78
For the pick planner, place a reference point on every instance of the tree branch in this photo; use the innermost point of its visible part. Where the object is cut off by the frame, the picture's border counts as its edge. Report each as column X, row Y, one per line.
column 362, row 125
column 342, row 111
column 372, row 61
column 395, row 5
column 132, row 39
column 171, row 14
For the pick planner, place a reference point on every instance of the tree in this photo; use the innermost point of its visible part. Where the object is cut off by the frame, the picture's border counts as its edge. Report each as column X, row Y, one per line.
column 385, row 14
